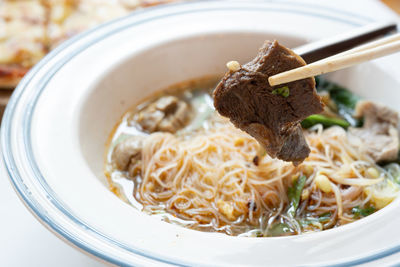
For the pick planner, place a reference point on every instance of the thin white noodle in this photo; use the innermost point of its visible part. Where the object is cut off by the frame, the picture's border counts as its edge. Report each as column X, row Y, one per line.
column 211, row 179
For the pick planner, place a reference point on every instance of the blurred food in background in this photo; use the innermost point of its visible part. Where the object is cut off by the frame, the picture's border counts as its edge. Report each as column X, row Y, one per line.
column 393, row 4
column 29, row 29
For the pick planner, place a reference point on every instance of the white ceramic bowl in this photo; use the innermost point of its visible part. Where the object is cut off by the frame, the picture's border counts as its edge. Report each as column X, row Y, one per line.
column 59, row 118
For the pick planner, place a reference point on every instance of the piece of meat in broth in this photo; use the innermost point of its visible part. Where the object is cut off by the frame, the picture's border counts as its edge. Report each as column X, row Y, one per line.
column 272, row 115
column 379, row 134
column 126, row 155
column 167, row 114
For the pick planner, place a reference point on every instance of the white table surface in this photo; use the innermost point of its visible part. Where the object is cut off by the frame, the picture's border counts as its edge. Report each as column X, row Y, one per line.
column 25, row 242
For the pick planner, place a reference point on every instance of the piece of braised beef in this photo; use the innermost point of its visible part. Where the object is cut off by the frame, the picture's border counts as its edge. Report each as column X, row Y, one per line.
column 379, row 135
column 126, row 155
column 272, row 115
column 167, row 114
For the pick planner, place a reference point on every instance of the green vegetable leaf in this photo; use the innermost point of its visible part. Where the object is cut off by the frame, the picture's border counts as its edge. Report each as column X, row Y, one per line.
column 325, row 121
column 362, row 212
column 280, row 229
column 308, row 221
column 294, row 194
column 344, row 99
column 338, row 93
column 324, row 217
column 283, row 91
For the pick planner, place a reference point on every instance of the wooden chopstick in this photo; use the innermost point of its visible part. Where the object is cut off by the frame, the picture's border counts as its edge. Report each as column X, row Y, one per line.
column 372, row 44
column 370, row 51
column 327, row 47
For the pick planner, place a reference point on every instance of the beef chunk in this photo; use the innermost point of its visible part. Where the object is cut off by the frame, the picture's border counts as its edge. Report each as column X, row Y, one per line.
column 127, row 155
column 379, row 134
column 270, row 114
column 167, row 114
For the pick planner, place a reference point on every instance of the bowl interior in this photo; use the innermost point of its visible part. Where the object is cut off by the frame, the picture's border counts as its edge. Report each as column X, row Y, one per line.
column 131, row 80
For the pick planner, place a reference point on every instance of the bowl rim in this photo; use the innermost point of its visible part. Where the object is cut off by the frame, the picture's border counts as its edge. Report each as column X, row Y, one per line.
column 11, row 166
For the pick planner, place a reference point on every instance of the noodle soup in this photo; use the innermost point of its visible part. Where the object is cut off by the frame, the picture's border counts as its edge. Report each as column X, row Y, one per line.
column 174, row 156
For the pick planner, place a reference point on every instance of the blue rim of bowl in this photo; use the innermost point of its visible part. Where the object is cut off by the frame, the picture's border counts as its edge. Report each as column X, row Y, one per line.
column 12, row 168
